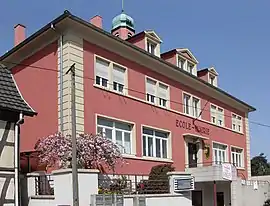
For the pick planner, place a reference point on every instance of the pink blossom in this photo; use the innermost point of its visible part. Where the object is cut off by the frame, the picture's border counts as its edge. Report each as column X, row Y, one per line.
column 93, row 151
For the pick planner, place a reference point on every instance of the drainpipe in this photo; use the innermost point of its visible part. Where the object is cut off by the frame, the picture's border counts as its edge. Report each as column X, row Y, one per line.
column 17, row 159
column 61, row 83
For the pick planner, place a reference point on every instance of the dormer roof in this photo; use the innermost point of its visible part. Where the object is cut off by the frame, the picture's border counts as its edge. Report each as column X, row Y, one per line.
column 153, row 35
column 187, row 53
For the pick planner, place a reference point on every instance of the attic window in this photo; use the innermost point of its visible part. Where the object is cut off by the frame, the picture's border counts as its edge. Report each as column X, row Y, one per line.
column 190, row 68
column 151, row 47
column 181, row 63
column 213, row 80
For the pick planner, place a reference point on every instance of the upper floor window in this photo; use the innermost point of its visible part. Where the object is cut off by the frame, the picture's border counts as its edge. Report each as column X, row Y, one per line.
column 118, row 132
column 157, row 93
column 190, row 68
column 151, row 47
column 237, row 123
column 219, row 153
column 102, row 72
column 192, row 105
column 155, row 143
column 217, row 115
column 181, row 63
column 110, row 75
column 237, row 157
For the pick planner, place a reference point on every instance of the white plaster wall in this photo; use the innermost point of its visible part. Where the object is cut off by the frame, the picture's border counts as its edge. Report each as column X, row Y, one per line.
column 41, row 202
column 160, row 200
column 7, row 155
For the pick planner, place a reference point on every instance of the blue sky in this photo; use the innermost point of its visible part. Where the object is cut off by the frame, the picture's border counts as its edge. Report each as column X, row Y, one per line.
column 231, row 35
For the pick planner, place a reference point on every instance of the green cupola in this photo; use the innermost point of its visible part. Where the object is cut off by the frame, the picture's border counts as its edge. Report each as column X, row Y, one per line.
column 123, row 21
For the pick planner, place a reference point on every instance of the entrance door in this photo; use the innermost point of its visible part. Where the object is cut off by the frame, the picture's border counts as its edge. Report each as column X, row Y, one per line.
column 192, row 155
column 220, row 198
column 197, row 198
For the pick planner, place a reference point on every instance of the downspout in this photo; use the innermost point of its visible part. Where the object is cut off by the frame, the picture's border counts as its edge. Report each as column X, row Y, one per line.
column 61, row 84
column 17, row 159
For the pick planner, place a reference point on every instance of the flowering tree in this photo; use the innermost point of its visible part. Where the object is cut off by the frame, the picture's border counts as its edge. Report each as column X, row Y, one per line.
column 93, row 151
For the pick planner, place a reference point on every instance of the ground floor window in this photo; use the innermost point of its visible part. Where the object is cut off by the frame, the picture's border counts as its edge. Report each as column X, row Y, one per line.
column 237, row 157
column 155, row 143
column 219, row 153
column 119, row 132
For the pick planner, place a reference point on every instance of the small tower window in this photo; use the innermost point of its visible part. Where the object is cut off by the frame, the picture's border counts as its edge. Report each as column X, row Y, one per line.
column 117, row 34
column 129, row 35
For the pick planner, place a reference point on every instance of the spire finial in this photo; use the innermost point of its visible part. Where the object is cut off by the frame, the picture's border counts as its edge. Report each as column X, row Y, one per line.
column 122, row 6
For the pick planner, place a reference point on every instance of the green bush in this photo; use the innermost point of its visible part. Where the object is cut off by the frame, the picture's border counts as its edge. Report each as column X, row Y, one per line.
column 158, row 182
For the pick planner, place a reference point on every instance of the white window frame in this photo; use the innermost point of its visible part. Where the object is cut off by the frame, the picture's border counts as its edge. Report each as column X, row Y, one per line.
column 237, row 123
column 237, row 156
column 191, row 107
column 212, row 79
column 154, row 142
column 218, row 161
column 114, row 129
column 190, row 70
column 151, row 47
column 216, row 114
column 110, row 83
column 157, row 99
column 184, row 61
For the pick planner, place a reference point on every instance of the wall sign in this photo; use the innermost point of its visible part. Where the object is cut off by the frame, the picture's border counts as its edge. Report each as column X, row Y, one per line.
column 183, row 184
column 190, row 126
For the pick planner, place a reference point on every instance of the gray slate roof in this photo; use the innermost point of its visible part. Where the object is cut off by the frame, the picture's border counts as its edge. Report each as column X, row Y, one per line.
column 10, row 97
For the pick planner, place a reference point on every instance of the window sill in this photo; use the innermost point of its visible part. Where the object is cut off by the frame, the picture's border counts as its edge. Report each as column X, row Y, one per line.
column 240, row 168
column 108, row 89
column 156, row 159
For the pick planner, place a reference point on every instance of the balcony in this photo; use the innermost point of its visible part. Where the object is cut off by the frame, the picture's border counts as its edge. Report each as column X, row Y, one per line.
column 213, row 172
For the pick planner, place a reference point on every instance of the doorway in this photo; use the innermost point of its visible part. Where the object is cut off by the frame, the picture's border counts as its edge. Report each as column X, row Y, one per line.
column 220, row 198
column 192, row 155
column 197, row 198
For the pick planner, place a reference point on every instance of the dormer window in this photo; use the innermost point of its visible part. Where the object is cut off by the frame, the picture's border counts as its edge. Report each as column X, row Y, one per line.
column 151, row 47
column 212, row 79
column 181, row 63
column 190, row 68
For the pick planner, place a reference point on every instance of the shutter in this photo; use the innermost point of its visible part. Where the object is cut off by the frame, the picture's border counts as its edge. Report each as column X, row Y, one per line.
column 102, row 68
column 151, row 87
column 118, row 74
column 163, row 91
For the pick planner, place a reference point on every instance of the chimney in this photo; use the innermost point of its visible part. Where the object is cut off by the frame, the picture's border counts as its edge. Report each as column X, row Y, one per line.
column 97, row 21
column 19, row 34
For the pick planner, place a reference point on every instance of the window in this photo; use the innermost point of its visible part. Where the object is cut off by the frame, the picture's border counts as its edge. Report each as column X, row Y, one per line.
column 110, row 75
column 217, row 115
column 157, row 93
column 191, row 105
column 118, row 76
column 237, row 123
column 181, row 63
column 151, row 47
column 129, row 35
column 212, row 80
column 219, row 153
column 155, row 143
column 151, row 90
column 102, row 72
column 118, row 132
column 237, row 157
column 190, row 68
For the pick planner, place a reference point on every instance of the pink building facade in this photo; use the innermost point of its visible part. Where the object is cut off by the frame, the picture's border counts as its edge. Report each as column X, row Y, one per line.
column 158, row 106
